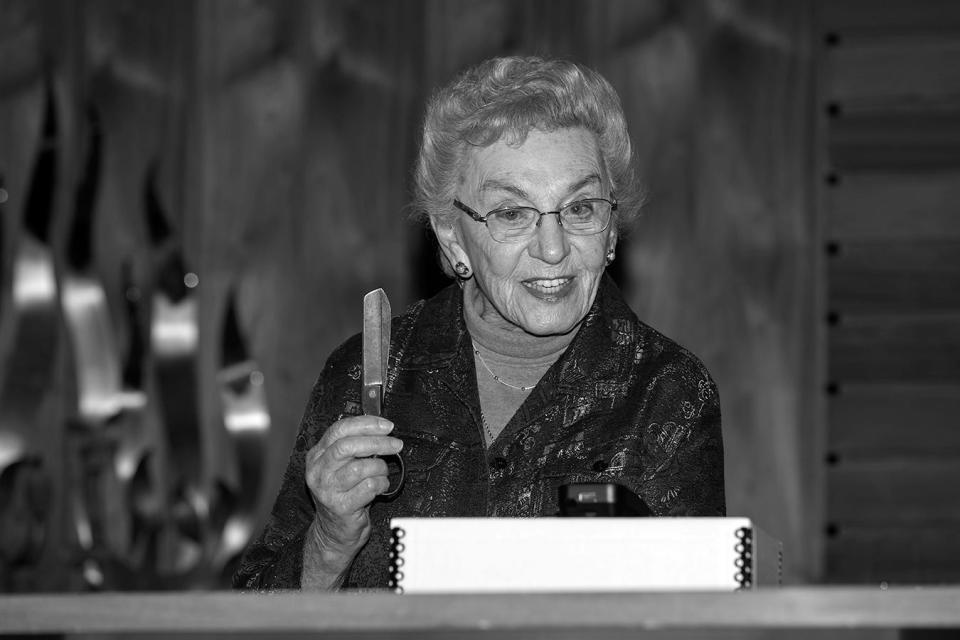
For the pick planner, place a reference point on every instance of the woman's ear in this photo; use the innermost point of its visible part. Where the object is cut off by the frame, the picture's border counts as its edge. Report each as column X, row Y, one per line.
column 612, row 238
column 448, row 237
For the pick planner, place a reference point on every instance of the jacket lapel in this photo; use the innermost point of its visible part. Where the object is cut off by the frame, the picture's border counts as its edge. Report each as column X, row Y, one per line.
column 440, row 356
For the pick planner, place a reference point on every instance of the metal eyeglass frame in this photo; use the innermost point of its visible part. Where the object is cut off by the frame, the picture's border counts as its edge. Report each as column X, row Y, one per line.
column 483, row 218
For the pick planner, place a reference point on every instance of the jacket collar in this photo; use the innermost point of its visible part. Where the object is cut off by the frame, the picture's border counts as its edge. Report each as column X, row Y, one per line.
column 581, row 365
column 440, row 333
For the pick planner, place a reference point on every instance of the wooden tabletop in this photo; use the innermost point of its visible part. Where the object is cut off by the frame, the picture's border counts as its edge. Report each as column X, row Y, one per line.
column 373, row 614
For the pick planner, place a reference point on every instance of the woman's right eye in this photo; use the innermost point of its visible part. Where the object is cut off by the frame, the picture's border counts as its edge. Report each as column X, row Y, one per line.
column 510, row 215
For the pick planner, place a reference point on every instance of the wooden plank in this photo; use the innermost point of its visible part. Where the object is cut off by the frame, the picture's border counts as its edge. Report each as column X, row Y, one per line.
column 904, row 140
column 905, row 206
column 892, row 349
column 919, row 491
column 851, row 16
column 893, row 70
column 557, row 615
column 889, row 276
column 904, row 555
column 892, row 420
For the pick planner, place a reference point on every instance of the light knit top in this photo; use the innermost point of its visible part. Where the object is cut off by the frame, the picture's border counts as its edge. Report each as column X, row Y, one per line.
column 517, row 358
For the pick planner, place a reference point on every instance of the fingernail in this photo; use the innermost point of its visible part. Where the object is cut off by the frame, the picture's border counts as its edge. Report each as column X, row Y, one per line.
column 385, row 425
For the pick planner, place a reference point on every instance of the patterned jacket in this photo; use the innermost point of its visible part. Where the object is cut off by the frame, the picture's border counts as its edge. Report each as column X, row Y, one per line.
column 623, row 404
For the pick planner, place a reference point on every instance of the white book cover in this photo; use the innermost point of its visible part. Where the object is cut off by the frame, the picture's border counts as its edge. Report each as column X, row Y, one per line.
column 444, row 555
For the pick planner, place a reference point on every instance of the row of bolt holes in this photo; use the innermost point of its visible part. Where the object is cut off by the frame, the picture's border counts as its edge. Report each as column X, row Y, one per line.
column 833, row 110
column 832, row 458
column 832, row 179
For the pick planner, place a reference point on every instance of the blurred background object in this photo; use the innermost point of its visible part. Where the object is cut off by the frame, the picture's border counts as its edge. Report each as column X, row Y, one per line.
column 196, row 195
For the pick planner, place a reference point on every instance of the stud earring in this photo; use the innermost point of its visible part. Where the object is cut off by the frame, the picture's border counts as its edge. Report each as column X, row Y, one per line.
column 462, row 270
column 611, row 255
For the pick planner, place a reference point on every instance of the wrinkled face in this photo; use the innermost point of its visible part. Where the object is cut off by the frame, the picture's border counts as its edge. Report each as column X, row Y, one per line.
column 545, row 284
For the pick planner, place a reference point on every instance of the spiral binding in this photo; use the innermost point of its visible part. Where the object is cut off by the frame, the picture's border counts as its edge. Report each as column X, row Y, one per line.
column 396, row 558
column 744, row 561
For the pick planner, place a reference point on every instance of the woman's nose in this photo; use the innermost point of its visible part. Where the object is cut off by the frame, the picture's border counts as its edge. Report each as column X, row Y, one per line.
column 550, row 242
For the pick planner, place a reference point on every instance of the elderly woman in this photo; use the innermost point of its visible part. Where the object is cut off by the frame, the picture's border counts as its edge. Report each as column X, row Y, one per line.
column 529, row 373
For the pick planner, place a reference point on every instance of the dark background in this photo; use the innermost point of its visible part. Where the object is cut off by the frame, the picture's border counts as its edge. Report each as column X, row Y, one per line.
column 801, row 235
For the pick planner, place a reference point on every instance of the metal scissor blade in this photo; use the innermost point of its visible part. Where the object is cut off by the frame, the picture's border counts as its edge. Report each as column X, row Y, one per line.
column 376, row 349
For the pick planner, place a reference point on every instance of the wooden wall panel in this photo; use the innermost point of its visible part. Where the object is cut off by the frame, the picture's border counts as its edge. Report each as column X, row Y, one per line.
column 904, row 70
column 895, row 277
column 893, row 491
column 887, row 16
column 895, row 349
column 889, row 90
column 886, row 206
column 893, row 555
column 883, row 141
column 883, row 421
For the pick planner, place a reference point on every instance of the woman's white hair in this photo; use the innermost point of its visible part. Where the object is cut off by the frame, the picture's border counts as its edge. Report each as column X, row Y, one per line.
column 506, row 98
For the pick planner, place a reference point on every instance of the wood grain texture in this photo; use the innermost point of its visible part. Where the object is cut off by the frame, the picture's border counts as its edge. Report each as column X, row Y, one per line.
column 885, row 421
column 895, row 276
column 882, row 492
column 887, row 16
column 895, row 349
column 893, row 555
column 911, row 140
column 893, row 206
column 893, row 71
column 890, row 92
column 573, row 615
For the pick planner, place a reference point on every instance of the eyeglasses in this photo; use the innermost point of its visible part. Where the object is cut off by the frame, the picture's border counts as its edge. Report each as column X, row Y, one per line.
column 515, row 224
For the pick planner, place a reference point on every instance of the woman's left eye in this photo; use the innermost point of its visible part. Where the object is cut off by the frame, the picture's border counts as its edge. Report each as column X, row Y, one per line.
column 580, row 208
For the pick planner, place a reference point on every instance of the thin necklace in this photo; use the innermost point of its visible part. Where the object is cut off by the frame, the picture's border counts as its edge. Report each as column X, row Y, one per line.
column 476, row 352
column 487, row 429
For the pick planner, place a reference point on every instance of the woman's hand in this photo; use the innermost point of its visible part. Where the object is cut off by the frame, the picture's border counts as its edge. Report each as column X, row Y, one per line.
column 344, row 476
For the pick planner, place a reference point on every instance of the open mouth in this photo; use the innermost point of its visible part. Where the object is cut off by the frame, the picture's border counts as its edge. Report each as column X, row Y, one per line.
column 547, row 287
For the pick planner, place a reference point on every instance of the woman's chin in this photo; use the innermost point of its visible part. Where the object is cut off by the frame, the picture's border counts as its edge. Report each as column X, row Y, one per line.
column 548, row 316
column 549, row 326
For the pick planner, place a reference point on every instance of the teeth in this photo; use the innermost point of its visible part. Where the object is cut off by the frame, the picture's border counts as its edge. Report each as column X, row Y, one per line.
column 547, row 285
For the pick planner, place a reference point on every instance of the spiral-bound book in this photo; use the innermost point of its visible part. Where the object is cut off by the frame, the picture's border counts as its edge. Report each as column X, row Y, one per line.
column 444, row 555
